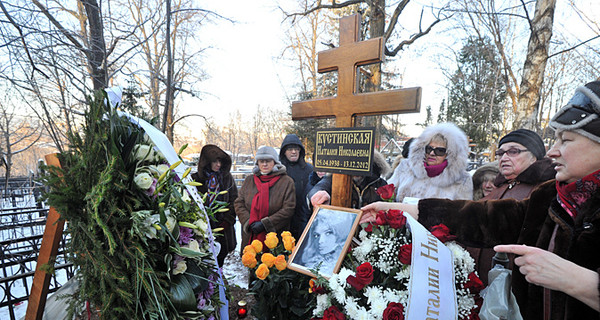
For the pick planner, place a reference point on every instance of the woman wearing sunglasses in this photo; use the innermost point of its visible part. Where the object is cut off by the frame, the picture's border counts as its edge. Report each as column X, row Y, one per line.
column 436, row 166
column 555, row 233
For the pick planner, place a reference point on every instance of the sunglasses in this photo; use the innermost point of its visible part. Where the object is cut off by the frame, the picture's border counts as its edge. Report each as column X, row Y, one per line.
column 512, row 152
column 438, row 151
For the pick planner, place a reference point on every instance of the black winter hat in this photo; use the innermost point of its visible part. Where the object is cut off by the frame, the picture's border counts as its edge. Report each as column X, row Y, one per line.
column 528, row 139
column 582, row 112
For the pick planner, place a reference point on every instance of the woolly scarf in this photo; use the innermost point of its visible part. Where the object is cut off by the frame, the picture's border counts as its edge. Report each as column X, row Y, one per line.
column 260, row 203
column 572, row 195
column 212, row 182
column 435, row 170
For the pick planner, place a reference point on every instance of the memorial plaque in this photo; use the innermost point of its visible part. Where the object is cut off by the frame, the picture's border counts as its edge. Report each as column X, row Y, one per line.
column 344, row 150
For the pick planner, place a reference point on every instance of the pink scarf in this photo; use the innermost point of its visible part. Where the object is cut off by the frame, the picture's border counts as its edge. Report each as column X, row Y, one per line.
column 435, row 170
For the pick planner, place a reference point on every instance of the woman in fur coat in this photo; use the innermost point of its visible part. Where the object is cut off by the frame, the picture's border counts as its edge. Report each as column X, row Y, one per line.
column 556, row 231
column 436, row 166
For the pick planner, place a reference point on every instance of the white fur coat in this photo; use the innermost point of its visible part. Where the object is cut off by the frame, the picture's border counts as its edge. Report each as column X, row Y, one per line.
column 410, row 177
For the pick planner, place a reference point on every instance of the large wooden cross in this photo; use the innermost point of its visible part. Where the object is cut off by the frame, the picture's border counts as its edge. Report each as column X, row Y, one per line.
column 347, row 104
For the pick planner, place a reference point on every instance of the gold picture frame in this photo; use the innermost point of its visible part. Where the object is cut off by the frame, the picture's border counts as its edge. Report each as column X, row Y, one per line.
column 325, row 241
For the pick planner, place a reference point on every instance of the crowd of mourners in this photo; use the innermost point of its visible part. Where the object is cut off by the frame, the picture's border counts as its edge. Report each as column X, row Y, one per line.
column 540, row 204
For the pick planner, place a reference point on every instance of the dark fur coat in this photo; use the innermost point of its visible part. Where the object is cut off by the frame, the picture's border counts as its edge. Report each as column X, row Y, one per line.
column 530, row 222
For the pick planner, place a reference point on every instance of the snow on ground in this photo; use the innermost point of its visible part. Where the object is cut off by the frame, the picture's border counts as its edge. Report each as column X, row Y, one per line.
column 233, row 269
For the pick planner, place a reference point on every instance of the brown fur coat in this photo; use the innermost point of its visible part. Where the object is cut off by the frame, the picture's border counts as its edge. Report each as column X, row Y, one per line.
column 530, row 222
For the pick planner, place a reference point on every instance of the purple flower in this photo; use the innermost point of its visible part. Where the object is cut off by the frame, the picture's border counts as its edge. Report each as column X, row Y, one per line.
column 201, row 302
column 185, row 235
column 150, row 191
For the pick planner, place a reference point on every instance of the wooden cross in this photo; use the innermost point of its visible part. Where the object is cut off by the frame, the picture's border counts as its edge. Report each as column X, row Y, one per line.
column 350, row 54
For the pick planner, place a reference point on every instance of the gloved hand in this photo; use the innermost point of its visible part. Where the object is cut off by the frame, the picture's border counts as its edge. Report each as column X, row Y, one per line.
column 257, row 227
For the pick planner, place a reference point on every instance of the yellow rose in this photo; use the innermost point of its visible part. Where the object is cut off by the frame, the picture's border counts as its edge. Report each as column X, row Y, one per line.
column 280, row 262
column 262, row 272
column 271, row 241
column 249, row 259
column 268, row 259
column 257, row 245
column 249, row 248
column 289, row 243
column 286, row 234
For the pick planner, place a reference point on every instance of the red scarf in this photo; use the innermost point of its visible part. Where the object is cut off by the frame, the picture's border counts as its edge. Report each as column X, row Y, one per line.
column 572, row 195
column 260, row 203
column 435, row 170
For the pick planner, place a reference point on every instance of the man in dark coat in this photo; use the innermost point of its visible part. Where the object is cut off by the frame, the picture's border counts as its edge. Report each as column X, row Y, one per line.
column 214, row 173
column 291, row 155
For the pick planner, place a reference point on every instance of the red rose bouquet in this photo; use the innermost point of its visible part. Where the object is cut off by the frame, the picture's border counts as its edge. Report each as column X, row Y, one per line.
column 373, row 282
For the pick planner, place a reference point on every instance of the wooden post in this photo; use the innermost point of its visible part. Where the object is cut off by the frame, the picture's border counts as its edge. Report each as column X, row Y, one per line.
column 48, row 251
column 350, row 54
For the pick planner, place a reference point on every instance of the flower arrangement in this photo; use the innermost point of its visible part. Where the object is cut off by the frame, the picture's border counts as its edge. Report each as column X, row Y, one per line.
column 374, row 280
column 280, row 293
column 139, row 243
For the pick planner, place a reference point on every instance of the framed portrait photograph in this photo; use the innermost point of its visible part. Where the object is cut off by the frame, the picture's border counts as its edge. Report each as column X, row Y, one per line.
column 325, row 241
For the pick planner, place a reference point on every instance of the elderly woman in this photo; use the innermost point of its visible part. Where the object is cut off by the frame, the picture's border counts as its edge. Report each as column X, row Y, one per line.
column 483, row 180
column 522, row 167
column 267, row 198
column 555, row 230
column 436, row 166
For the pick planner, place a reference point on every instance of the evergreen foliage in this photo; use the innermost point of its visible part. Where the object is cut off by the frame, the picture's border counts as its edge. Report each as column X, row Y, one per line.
column 476, row 92
column 121, row 271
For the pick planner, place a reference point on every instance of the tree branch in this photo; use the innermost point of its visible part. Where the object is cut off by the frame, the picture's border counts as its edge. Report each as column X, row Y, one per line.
column 14, row 23
column 572, row 48
column 333, row 5
column 62, row 29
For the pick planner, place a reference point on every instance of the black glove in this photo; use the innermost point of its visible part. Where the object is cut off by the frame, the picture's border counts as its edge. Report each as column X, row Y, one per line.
column 257, row 227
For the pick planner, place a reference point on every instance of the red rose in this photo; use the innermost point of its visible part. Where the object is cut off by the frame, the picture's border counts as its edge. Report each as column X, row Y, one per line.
column 319, row 290
column 333, row 313
column 386, row 192
column 442, row 233
column 369, row 228
column 396, row 219
column 364, row 273
column 405, row 254
column 364, row 276
column 381, row 219
column 394, row 311
column 474, row 284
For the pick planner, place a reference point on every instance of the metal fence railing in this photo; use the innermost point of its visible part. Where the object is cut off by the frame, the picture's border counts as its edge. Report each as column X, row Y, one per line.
column 22, row 221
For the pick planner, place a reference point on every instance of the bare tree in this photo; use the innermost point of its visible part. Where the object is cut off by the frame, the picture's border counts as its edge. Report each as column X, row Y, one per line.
column 17, row 136
column 535, row 63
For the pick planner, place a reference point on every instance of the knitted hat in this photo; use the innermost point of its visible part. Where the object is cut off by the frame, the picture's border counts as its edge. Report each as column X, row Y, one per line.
column 267, row 153
column 582, row 113
column 528, row 139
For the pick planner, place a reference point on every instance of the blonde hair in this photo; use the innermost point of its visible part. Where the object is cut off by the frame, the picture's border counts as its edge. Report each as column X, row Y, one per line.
column 438, row 137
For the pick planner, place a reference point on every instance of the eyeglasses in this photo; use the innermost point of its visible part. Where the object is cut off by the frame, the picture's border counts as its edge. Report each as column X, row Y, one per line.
column 438, row 151
column 512, row 152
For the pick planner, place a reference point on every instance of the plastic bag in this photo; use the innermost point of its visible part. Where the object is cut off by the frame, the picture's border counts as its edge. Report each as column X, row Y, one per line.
column 499, row 302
